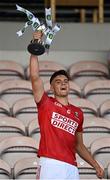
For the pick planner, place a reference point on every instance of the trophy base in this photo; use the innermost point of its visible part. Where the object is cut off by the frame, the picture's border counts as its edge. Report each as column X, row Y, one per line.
column 36, row 49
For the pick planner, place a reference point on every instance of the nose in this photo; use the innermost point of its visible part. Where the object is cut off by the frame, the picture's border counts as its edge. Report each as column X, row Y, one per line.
column 63, row 82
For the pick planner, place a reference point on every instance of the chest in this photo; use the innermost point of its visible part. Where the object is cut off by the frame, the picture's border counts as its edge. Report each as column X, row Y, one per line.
column 64, row 113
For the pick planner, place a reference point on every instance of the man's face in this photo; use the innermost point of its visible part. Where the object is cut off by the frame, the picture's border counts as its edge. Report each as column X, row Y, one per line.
column 60, row 86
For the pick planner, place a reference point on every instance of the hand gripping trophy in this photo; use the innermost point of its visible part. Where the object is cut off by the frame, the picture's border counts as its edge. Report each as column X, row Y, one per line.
column 37, row 47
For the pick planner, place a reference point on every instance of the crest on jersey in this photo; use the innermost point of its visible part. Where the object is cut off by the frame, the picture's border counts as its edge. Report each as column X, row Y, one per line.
column 76, row 114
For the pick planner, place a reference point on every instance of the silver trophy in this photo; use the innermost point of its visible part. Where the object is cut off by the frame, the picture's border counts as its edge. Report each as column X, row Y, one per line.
column 36, row 46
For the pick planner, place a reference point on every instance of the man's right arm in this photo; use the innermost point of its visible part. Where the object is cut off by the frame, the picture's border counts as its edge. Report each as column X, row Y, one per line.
column 37, row 84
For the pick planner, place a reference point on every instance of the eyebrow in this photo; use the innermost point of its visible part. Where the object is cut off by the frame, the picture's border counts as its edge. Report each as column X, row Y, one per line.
column 66, row 79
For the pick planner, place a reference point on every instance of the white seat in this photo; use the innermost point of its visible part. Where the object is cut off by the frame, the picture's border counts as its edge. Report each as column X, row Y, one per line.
column 94, row 128
column 84, row 71
column 11, row 70
column 108, row 171
column 4, row 109
column 100, row 149
column 13, row 149
column 25, row 110
column 10, row 127
column 88, row 107
column 74, row 92
column 34, row 130
column 97, row 91
column 5, row 170
column 46, row 69
column 104, row 109
column 26, row 168
column 12, row 90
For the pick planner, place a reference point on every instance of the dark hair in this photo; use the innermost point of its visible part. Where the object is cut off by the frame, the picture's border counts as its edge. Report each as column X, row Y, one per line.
column 60, row 72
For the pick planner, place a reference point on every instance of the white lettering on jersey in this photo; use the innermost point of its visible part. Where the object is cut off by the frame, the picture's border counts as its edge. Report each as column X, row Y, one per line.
column 64, row 123
column 69, row 111
column 58, row 104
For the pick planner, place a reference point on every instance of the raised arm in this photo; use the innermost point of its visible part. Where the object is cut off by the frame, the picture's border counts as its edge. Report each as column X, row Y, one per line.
column 37, row 84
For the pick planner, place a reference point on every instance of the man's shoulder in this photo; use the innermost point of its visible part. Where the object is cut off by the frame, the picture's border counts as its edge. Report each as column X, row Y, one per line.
column 78, row 109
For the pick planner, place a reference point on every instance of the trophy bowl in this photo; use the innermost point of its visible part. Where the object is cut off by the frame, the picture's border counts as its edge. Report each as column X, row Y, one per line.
column 36, row 48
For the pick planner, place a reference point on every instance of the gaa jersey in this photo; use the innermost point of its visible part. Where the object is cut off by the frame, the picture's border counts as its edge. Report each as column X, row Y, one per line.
column 58, row 126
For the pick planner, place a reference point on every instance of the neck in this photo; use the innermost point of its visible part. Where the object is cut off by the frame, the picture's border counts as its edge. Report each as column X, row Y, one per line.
column 62, row 100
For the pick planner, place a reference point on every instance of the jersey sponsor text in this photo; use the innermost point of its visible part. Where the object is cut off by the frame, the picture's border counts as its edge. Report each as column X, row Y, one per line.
column 64, row 123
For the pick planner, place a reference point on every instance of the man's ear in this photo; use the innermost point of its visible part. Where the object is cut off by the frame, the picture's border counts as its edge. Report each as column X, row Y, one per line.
column 51, row 88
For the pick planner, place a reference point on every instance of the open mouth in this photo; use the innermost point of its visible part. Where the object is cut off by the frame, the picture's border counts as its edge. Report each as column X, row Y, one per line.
column 63, row 89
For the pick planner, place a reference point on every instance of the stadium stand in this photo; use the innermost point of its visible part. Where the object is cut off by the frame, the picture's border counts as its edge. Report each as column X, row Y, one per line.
column 11, row 70
column 4, row 109
column 95, row 7
column 84, row 71
column 104, row 109
column 25, row 110
column 26, row 168
column 63, row 11
column 10, row 126
column 100, row 149
column 12, row 90
column 5, row 170
column 33, row 131
column 108, row 171
column 13, row 149
column 18, row 106
column 97, row 89
column 94, row 128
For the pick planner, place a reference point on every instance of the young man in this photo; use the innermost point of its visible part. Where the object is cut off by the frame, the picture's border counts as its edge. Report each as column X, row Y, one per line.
column 60, row 127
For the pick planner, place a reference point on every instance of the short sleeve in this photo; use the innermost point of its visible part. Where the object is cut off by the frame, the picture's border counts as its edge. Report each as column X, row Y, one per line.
column 43, row 100
column 80, row 127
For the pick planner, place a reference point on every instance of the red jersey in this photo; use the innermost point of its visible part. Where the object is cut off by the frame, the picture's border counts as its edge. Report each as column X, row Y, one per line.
column 58, row 126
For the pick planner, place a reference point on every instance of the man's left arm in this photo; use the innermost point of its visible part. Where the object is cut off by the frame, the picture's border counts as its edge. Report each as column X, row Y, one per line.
column 86, row 155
